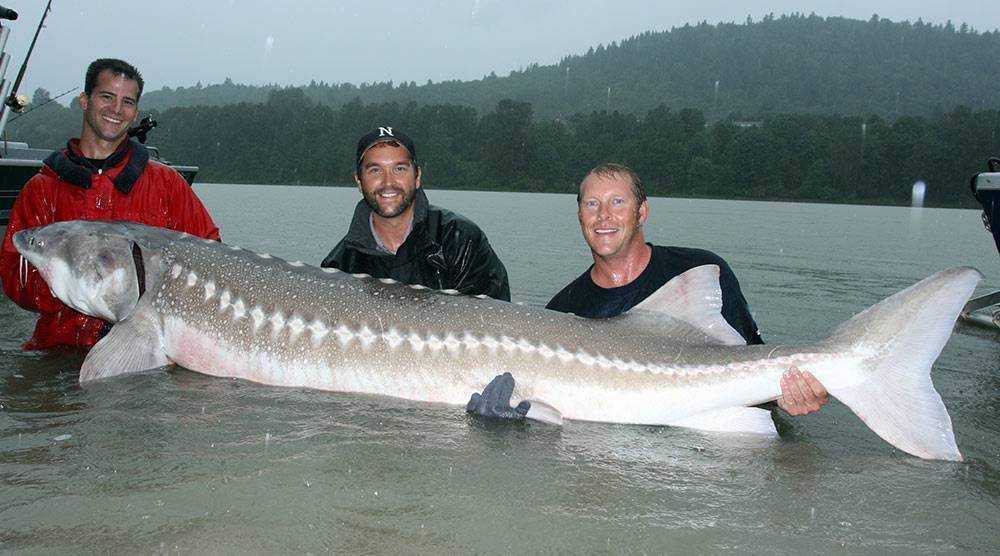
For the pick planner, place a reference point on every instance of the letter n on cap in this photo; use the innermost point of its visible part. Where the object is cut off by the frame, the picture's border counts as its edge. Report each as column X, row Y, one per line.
column 383, row 131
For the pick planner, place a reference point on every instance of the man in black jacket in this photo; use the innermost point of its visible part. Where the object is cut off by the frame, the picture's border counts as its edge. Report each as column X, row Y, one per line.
column 612, row 209
column 396, row 233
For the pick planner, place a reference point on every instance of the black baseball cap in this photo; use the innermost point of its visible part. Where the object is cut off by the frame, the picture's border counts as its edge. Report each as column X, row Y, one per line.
column 384, row 134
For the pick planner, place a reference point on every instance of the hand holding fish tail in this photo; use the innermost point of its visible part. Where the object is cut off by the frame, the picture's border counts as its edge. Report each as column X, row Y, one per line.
column 494, row 402
column 801, row 393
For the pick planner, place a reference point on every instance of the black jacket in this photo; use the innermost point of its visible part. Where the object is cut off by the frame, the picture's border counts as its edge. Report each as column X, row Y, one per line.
column 443, row 251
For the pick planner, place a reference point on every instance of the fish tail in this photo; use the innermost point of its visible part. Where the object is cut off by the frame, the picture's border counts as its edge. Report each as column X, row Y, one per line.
column 898, row 340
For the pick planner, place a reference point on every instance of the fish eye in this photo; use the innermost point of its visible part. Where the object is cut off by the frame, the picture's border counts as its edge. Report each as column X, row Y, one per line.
column 106, row 258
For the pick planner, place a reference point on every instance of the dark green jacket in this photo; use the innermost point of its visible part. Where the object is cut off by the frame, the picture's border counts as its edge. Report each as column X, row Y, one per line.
column 444, row 251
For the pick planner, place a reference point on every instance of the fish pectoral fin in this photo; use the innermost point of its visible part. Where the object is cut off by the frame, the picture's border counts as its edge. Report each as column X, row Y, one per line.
column 688, row 309
column 751, row 420
column 541, row 411
column 132, row 345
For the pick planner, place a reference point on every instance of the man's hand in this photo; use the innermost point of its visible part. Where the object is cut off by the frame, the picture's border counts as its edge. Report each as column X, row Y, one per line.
column 494, row 402
column 801, row 393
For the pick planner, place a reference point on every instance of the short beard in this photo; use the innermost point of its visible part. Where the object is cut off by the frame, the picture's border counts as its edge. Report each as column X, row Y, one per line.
column 372, row 202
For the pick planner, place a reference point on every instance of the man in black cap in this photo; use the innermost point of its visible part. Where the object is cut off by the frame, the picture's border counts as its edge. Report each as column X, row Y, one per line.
column 396, row 233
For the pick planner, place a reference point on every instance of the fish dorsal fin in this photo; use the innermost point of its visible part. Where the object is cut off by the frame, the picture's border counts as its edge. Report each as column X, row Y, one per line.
column 695, row 299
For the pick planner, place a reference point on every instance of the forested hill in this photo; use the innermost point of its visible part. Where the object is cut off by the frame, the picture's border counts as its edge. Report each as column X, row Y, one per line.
column 795, row 63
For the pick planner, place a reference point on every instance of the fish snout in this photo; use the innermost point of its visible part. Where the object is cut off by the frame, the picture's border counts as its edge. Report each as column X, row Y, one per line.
column 23, row 240
column 28, row 242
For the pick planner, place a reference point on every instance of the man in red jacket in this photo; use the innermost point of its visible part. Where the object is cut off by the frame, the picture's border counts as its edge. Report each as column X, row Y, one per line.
column 101, row 175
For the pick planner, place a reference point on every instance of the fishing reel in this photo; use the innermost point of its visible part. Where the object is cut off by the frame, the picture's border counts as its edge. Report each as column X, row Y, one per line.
column 142, row 130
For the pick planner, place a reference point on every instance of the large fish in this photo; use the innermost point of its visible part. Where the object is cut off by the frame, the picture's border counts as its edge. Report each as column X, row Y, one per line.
column 224, row 311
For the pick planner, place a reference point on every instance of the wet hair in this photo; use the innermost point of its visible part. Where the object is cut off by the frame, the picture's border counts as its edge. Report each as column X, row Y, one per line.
column 614, row 170
column 116, row 67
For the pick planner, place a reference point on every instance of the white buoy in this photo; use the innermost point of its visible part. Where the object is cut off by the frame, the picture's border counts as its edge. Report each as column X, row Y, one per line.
column 918, row 192
column 917, row 197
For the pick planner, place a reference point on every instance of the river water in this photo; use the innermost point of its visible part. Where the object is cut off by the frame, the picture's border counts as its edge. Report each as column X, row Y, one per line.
column 174, row 461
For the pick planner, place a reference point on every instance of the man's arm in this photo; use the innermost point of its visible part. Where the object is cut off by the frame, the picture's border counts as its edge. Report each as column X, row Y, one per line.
column 801, row 393
column 477, row 269
column 192, row 216
column 338, row 257
column 734, row 306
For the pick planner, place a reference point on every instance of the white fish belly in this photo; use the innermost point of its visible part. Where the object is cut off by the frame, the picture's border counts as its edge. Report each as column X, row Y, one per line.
column 450, row 371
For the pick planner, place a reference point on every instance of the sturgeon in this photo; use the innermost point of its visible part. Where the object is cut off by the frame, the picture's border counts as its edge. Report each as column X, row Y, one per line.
column 673, row 360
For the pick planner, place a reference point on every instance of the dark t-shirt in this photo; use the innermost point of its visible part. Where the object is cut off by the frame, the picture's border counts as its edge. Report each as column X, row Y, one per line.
column 585, row 298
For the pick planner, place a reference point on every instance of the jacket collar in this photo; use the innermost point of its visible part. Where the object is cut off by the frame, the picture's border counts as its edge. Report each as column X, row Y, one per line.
column 72, row 167
column 359, row 235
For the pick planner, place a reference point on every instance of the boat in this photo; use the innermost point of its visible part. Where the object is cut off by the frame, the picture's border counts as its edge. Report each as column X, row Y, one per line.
column 984, row 311
column 18, row 161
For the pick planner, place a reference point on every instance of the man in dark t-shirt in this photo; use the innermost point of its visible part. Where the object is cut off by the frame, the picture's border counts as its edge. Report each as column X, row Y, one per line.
column 612, row 209
column 584, row 298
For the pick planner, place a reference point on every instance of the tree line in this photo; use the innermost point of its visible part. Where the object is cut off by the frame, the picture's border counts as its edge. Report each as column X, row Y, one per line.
column 793, row 63
column 804, row 157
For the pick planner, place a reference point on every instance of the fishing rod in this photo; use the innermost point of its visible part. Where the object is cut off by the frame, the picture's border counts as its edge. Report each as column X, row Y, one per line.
column 11, row 100
column 53, row 99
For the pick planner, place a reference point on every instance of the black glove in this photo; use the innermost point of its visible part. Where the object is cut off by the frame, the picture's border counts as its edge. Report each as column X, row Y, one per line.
column 494, row 402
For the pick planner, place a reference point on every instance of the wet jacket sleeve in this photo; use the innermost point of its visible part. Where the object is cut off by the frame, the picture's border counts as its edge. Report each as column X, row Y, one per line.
column 335, row 259
column 21, row 281
column 193, row 217
column 476, row 269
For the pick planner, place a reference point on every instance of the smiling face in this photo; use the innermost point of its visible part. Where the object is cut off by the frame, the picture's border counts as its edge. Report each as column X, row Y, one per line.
column 611, row 216
column 388, row 179
column 110, row 109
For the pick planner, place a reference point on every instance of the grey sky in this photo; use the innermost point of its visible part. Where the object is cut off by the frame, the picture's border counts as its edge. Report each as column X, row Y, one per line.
column 178, row 43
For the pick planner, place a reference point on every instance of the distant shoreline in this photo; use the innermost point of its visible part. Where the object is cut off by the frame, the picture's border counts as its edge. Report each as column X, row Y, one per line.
column 431, row 188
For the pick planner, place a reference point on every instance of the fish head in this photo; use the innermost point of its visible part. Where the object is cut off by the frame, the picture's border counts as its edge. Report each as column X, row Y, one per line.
column 90, row 266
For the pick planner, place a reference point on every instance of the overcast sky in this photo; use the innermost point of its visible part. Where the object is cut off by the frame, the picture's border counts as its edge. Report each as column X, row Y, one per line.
column 178, row 43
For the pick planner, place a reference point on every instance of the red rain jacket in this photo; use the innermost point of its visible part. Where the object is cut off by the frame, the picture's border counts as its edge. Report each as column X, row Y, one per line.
column 132, row 188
